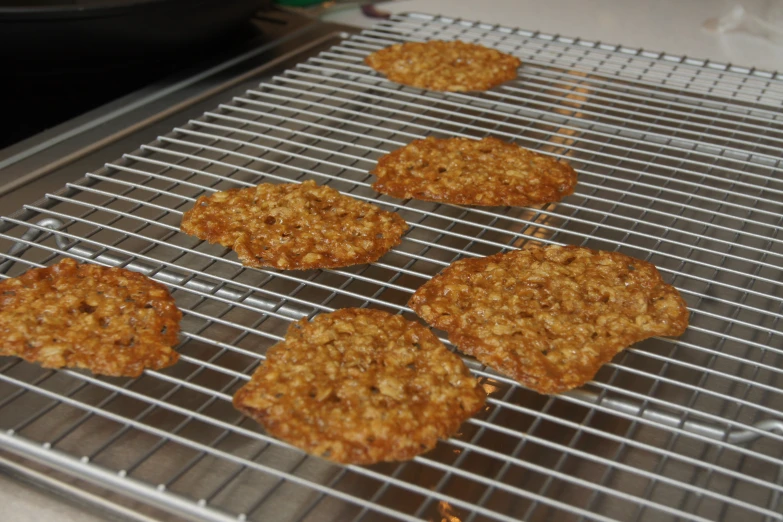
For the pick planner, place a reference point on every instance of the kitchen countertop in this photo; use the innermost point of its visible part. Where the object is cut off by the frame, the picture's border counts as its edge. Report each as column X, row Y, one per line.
column 671, row 26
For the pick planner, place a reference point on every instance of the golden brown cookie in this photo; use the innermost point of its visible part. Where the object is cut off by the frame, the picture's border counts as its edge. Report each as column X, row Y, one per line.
column 109, row 320
column 359, row 386
column 473, row 172
column 294, row 226
column 445, row 66
column 550, row 317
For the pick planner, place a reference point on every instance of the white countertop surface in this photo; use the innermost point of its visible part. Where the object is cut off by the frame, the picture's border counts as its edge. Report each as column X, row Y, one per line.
column 672, row 26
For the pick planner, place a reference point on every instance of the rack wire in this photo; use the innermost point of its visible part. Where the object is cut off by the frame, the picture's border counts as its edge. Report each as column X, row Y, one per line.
column 679, row 164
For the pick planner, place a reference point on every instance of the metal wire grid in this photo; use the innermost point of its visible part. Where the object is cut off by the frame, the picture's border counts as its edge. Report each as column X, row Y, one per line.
column 679, row 165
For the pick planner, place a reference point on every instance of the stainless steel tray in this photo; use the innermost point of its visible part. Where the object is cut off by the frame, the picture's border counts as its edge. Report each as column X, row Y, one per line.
column 679, row 164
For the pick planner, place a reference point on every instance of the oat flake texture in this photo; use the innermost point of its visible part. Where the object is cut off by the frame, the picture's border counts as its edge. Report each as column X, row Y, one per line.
column 445, row 65
column 294, row 226
column 111, row 321
column 360, row 386
column 473, row 172
column 550, row 317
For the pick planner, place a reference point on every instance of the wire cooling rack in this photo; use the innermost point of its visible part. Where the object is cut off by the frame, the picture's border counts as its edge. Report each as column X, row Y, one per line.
column 679, row 164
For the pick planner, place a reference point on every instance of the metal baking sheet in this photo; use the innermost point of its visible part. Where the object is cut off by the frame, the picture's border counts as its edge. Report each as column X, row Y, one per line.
column 679, row 164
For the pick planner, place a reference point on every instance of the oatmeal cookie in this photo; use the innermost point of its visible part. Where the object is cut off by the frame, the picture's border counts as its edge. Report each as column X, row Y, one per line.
column 550, row 317
column 445, row 66
column 294, row 226
column 359, row 386
column 109, row 320
column 473, row 172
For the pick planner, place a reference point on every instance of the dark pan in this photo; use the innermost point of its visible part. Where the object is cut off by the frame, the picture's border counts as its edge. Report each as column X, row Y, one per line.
column 54, row 31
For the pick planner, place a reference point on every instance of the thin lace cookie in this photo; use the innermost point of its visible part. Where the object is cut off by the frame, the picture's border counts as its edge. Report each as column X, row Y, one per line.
column 359, row 386
column 550, row 317
column 111, row 321
column 294, row 226
column 464, row 171
column 445, row 65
